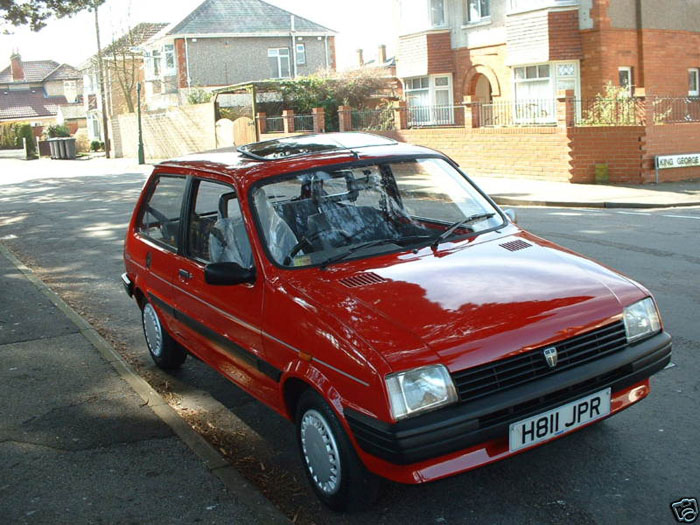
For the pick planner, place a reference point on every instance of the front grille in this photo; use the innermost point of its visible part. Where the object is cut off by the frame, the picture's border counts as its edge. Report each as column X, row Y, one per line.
column 491, row 378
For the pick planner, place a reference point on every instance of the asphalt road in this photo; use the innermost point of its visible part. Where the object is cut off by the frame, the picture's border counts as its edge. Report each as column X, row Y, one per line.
column 627, row 469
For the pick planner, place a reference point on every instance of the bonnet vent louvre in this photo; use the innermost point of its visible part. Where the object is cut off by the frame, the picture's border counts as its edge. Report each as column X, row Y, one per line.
column 514, row 246
column 362, row 279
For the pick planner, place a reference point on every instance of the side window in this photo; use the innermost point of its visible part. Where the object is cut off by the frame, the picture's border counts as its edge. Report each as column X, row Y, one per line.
column 160, row 219
column 216, row 230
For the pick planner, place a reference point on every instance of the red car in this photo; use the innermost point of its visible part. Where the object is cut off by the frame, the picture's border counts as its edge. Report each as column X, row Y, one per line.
column 370, row 292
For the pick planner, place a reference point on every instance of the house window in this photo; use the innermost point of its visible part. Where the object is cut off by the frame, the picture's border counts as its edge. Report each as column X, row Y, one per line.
column 625, row 78
column 534, row 100
column 429, row 100
column 301, row 54
column 694, row 82
column 169, row 52
column 476, row 10
column 437, row 13
column 279, row 62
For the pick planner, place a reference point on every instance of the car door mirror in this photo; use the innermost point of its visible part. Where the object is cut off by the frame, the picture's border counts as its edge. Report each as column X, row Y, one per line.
column 228, row 273
column 511, row 215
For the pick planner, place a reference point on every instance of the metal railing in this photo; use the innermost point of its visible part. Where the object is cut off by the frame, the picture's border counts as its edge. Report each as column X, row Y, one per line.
column 303, row 123
column 423, row 116
column 274, row 125
column 513, row 113
column 623, row 111
column 675, row 110
column 373, row 119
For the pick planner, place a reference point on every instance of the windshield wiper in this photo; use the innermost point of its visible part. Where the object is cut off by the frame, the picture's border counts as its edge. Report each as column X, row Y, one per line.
column 353, row 249
column 459, row 224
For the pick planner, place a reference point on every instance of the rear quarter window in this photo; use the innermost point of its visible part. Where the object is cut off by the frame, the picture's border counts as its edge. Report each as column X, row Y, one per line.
column 160, row 214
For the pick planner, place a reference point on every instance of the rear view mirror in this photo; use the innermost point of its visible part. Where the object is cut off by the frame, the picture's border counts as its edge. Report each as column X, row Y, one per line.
column 511, row 215
column 228, row 273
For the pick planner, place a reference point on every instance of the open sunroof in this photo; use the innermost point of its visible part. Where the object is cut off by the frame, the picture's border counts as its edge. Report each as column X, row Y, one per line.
column 311, row 144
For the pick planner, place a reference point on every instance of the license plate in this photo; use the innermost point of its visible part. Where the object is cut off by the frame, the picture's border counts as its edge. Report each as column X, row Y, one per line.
column 559, row 420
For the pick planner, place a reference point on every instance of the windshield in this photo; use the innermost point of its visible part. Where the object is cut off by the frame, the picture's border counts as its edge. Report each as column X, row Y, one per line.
column 323, row 216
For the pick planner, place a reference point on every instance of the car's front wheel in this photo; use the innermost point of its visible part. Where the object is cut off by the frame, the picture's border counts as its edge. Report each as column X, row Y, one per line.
column 336, row 474
column 166, row 353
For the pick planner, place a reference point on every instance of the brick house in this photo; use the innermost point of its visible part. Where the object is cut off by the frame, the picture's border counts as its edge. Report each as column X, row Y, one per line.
column 225, row 42
column 33, row 91
column 525, row 51
column 123, row 69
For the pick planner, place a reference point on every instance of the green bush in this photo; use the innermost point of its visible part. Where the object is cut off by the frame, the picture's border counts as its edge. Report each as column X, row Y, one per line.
column 25, row 131
column 96, row 145
column 56, row 131
column 198, row 96
column 8, row 135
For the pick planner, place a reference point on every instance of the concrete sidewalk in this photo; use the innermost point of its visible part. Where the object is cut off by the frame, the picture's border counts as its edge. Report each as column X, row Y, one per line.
column 529, row 192
column 83, row 439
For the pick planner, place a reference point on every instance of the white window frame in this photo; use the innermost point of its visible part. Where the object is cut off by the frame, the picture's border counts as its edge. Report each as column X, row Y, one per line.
column 480, row 17
column 443, row 23
column 548, row 104
column 275, row 53
column 301, row 54
column 627, row 70
column 694, row 71
column 169, row 55
column 432, row 114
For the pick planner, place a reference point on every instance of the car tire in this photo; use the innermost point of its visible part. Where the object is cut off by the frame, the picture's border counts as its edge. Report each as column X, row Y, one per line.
column 166, row 353
column 332, row 466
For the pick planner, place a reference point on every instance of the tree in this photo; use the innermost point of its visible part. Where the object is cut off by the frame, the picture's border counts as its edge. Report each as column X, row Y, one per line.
column 35, row 13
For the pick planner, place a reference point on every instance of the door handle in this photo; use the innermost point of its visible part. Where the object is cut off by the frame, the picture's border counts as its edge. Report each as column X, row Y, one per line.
column 184, row 274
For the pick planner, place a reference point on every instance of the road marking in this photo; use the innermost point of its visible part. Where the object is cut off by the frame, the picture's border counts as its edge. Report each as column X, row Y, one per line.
column 632, row 213
column 669, row 365
column 682, row 217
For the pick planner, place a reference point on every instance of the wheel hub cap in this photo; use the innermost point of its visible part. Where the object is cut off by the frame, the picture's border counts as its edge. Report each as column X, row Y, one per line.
column 320, row 452
column 152, row 330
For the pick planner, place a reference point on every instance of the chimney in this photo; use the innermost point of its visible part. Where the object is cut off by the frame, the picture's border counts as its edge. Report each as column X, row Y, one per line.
column 381, row 55
column 16, row 67
column 360, row 59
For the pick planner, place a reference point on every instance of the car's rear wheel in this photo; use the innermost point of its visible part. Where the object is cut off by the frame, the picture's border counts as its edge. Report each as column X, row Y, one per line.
column 335, row 472
column 166, row 353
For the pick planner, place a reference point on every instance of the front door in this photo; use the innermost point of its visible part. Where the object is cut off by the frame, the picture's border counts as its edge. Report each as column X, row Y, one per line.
column 221, row 323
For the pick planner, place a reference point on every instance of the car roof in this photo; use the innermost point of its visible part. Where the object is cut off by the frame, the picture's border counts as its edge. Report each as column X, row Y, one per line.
column 274, row 157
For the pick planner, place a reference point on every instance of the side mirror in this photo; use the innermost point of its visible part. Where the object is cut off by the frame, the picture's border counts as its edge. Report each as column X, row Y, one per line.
column 228, row 273
column 510, row 213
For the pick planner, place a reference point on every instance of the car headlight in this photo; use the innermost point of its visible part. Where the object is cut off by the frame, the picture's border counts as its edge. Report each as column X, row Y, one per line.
column 419, row 390
column 641, row 320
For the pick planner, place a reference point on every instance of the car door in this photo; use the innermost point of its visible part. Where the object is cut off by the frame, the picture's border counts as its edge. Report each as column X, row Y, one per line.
column 221, row 323
column 157, row 239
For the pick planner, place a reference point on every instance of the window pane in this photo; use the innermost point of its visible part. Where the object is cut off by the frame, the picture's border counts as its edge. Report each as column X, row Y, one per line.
column 624, row 77
column 485, row 8
column 531, row 71
column 543, row 71
column 216, row 229
column 274, row 67
column 519, row 73
column 161, row 213
column 284, row 52
column 284, row 66
column 437, row 12
column 693, row 80
column 424, row 83
column 442, row 97
column 301, row 54
column 272, row 52
column 442, row 81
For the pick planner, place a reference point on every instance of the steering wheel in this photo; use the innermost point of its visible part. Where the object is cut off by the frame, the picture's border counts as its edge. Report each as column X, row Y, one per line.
column 305, row 242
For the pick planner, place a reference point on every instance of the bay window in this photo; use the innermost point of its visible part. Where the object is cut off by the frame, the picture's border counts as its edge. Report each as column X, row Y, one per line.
column 429, row 100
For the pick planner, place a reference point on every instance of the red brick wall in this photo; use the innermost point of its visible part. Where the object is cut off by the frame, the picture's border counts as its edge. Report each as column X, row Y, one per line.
column 671, row 140
column 440, row 56
column 667, row 57
column 539, row 153
column 603, row 53
column 564, row 36
column 181, row 62
column 621, row 148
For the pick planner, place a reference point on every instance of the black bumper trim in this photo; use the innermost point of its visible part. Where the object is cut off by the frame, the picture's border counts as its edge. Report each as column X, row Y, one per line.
column 221, row 341
column 460, row 426
column 128, row 285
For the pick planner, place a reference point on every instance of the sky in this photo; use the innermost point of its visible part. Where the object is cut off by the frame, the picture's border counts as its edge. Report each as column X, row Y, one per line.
column 367, row 24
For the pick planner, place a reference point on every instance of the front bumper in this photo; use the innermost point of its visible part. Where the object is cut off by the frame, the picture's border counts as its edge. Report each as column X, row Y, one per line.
column 459, row 427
